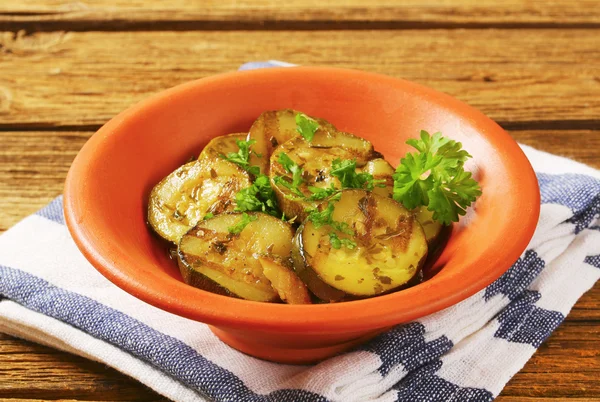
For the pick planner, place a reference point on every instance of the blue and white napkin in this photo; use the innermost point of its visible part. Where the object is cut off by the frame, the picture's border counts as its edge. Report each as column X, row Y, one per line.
column 50, row 294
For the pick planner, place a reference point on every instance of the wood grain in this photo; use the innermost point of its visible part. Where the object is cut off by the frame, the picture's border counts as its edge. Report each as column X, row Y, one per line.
column 524, row 79
column 311, row 14
column 66, row 67
column 28, row 370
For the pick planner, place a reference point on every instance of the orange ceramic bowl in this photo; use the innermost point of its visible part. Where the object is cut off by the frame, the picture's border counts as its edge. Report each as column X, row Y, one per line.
column 109, row 182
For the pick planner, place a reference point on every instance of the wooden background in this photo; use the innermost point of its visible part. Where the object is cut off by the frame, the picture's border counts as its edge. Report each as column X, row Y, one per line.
column 66, row 68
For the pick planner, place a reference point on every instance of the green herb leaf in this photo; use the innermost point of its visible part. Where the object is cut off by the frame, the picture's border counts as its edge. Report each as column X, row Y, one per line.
column 306, row 126
column 337, row 243
column 208, row 216
column 435, row 177
column 241, row 225
column 321, row 218
column 291, row 167
column 320, row 193
column 241, row 158
column 345, row 171
column 258, row 197
column 325, row 217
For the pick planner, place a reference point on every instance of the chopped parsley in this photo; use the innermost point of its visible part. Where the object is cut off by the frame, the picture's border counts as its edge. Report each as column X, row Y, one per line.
column 291, row 167
column 258, row 197
column 306, row 126
column 345, row 171
column 337, row 243
column 320, row 193
column 325, row 217
column 241, row 225
column 242, row 156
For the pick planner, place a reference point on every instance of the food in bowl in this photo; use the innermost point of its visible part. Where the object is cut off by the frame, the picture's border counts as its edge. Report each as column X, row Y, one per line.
column 299, row 212
column 107, row 189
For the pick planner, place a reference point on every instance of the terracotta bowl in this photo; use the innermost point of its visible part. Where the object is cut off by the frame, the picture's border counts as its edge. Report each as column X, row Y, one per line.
column 108, row 185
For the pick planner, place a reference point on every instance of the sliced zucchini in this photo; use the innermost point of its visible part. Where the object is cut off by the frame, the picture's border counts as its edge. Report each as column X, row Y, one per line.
column 222, row 145
column 283, row 279
column 273, row 128
column 185, row 196
column 319, row 288
column 390, row 246
column 315, row 159
column 380, row 169
column 432, row 228
column 213, row 259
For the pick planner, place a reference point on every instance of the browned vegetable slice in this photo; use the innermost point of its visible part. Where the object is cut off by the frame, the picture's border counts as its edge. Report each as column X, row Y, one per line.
column 319, row 288
column 195, row 189
column 222, row 145
column 213, row 259
column 273, row 128
column 390, row 245
column 287, row 284
column 380, row 169
column 315, row 158
column 432, row 228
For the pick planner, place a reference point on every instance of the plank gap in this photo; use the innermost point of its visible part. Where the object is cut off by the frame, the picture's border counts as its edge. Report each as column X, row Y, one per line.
column 36, row 24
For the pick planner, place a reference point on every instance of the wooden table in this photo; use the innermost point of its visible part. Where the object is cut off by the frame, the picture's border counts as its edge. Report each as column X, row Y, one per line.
column 66, row 68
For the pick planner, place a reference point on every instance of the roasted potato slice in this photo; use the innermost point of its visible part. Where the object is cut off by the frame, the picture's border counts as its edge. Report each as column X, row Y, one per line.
column 273, row 128
column 285, row 281
column 213, row 259
column 222, row 145
column 390, row 246
column 315, row 159
column 185, row 196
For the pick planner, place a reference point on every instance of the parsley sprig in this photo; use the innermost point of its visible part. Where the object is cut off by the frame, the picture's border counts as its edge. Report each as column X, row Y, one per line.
column 242, row 156
column 306, row 126
column 435, row 177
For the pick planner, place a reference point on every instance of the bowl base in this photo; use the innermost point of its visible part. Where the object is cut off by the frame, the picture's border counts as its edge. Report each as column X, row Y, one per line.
column 287, row 355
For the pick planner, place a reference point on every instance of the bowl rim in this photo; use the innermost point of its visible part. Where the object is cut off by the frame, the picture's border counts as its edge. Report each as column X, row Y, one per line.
column 377, row 312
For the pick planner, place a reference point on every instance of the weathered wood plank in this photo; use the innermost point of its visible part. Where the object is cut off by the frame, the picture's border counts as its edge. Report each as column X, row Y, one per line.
column 123, row 14
column 28, row 370
column 587, row 309
column 524, row 79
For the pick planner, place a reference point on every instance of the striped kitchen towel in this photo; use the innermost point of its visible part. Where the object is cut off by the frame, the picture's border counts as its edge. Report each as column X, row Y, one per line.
column 50, row 294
